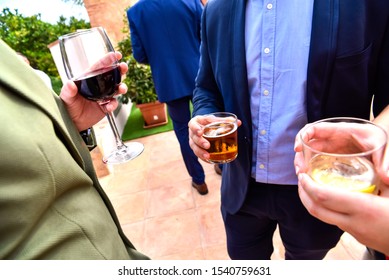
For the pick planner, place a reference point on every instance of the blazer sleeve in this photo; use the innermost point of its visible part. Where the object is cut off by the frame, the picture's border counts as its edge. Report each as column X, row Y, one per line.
column 206, row 96
column 137, row 46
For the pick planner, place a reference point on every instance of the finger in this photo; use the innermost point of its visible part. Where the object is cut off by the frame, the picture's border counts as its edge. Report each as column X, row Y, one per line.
column 383, row 174
column 297, row 143
column 196, row 132
column 69, row 91
column 122, row 89
column 331, row 204
column 323, row 130
column 382, row 166
column 315, row 204
column 118, row 55
column 198, row 144
column 111, row 106
column 299, row 163
column 328, row 196
column 110, row 58
column 123, row 68
column 194, row 125
column 201, row 142
column 107, row 60
column 198, row 151
column 305, row 198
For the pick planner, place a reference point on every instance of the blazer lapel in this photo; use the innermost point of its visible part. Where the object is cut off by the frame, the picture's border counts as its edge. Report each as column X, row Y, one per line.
column 238, row 51
column 322, row 54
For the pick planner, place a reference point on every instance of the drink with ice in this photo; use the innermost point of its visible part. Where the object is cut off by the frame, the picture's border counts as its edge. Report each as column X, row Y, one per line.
column 223, row 138
column 344, row 153
column 349, row 173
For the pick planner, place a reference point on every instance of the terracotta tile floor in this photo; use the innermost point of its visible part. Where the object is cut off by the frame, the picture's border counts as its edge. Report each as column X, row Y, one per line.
column 164, row 216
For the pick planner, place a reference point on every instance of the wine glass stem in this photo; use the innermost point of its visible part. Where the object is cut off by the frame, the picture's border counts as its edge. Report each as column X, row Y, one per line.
column 112, row 124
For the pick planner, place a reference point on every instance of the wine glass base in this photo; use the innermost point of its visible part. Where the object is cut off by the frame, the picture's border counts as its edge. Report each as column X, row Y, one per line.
column 125, row 153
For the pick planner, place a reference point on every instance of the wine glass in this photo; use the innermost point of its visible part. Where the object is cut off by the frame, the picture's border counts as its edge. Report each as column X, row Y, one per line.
column 89, row 60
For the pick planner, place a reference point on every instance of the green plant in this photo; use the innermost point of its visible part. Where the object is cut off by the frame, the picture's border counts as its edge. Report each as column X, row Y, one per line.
column 30, row 36
column 140, row 84
column 56, row 83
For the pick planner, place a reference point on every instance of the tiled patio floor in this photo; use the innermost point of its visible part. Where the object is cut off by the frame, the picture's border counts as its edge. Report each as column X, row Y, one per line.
column 164, row 216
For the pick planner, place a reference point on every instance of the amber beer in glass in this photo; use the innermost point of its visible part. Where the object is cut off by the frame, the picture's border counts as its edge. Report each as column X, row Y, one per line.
column 221, row 132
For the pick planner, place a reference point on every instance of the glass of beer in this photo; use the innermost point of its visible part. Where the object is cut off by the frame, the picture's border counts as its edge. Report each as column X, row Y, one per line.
column 220, row 130
column 344, row 153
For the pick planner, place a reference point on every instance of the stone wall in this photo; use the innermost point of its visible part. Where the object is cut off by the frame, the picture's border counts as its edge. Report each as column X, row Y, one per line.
column 109, row 14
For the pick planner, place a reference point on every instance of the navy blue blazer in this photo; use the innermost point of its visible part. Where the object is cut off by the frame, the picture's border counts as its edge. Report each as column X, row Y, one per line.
column 166, row 35
column 348, row 64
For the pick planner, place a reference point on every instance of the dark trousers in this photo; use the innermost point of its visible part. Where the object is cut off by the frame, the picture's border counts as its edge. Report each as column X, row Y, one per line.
column 179, row 111
column 250, row 231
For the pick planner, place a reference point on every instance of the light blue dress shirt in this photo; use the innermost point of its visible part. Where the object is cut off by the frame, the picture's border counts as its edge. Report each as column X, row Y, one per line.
column 277, row 42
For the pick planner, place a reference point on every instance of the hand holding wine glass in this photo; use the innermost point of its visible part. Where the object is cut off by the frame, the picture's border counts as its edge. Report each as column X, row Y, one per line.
column 91, row 62
column 86, row 113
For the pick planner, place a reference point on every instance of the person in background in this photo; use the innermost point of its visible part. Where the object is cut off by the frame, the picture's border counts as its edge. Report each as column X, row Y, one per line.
column 51, row 203
column 277, row 66
column 362, row 215
column 165, row 34
column 40, row 73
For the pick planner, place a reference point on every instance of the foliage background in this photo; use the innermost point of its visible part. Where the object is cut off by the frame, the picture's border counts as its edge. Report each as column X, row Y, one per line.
column 31, row 37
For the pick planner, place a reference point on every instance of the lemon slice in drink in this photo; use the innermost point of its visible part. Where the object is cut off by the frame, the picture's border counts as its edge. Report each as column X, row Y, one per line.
column 332, row 179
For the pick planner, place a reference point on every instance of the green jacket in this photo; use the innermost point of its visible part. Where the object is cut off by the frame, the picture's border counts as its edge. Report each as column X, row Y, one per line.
column 51, row 203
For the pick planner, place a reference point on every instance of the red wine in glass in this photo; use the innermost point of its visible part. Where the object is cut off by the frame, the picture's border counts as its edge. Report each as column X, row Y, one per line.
column 90, row 61
column 99, row 85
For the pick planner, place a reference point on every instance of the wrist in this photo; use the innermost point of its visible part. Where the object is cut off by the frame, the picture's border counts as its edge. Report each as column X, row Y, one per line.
column 88, row 135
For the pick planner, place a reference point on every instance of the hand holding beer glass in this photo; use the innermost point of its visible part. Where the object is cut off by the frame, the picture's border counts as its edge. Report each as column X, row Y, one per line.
column 220, row 129
column 344, row 153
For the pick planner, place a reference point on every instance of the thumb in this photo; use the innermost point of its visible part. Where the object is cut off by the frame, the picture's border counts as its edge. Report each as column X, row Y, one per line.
column 69, row 91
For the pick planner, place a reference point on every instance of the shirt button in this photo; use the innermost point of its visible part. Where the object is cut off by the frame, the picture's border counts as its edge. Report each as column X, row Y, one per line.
column 263, row 132
column 262, row 166
column 269, row 6
column 266, row 92
column 266, row 50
